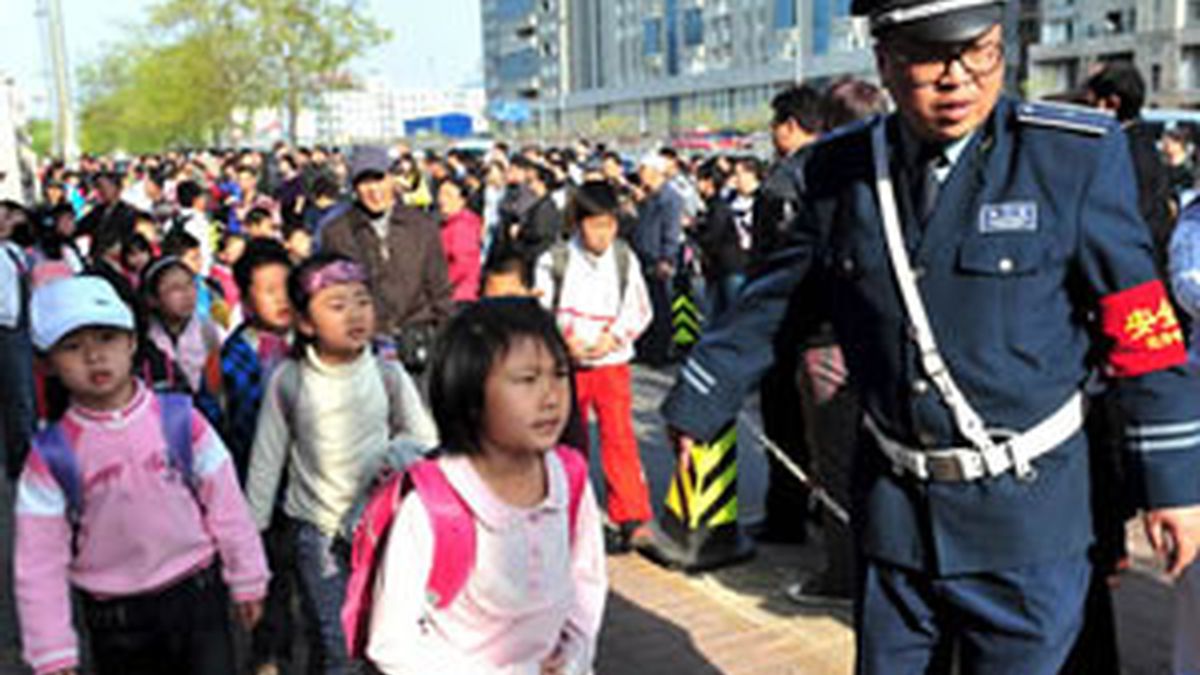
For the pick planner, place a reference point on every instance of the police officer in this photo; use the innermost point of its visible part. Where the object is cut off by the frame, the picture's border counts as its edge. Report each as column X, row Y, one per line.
column 964, row 244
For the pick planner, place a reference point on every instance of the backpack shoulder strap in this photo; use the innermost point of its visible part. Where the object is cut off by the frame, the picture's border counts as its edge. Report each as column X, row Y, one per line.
column 52, row 446
column 391, row 386
column 576, row 468
column 176, row 412
column 453, row 532
column 289, row 388
column 560, row 255
column 624, row 257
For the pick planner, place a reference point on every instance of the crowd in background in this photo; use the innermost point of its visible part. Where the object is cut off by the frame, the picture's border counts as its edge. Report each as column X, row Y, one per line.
column 202, row 246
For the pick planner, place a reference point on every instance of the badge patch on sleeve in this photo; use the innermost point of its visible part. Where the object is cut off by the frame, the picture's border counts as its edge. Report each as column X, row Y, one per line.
column 1144, row 330
column 1008, row 217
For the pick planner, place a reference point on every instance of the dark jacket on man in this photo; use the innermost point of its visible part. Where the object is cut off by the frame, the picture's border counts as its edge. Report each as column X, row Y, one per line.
column 541, row 227
column 409, row 280
column 717, row 235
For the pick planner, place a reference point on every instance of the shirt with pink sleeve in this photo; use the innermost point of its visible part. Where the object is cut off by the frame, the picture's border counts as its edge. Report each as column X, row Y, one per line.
column 533, row 590
column 141, row 528
column 590, row 302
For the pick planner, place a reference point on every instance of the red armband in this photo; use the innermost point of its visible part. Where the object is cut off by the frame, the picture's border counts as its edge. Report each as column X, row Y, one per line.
column 1144, row 331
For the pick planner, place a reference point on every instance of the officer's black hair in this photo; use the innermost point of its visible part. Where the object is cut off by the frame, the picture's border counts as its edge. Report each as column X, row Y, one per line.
column 259, row 253
column 465, row 353
column 800, row 103
column 1123, row 80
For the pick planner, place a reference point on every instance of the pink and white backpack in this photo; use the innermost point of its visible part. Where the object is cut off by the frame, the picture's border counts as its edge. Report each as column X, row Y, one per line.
column 453, row 536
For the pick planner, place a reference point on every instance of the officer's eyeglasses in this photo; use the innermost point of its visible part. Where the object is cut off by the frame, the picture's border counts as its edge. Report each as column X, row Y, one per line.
column 926, row 64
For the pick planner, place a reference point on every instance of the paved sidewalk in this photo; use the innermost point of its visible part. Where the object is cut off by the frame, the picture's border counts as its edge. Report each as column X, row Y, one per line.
column 664, row 622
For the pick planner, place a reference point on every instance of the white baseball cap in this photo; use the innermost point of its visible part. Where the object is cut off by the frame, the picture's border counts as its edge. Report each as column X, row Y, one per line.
column 66, row 305
column 654, row 162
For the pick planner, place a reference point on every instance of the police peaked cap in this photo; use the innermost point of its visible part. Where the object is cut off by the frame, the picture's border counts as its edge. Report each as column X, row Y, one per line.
column 930, row 20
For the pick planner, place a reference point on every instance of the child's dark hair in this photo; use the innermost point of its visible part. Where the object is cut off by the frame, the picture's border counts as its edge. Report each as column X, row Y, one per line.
column 154, row 272
column 258, row 215
column 259, row 253
column 509, row 259
column 134, row 242
column 593, row 198
column 179, row 242
column 464, row 355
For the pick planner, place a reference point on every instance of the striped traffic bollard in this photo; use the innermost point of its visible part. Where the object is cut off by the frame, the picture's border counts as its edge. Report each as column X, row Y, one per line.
column 686, row 319
column 699, row 527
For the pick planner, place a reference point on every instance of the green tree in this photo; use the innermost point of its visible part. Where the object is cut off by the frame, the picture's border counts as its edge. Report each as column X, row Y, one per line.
column 41, row 136
column 181, row 77
column 302, row 46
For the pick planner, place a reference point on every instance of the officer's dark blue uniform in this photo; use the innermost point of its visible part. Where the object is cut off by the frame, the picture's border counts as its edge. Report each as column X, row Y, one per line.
column 1036, row 269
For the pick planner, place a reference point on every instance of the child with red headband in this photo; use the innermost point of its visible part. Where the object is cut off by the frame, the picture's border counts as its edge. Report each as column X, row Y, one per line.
column 329, row 414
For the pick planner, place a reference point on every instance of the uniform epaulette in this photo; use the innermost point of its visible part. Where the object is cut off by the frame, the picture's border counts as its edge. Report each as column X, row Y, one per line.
column 1077, row 118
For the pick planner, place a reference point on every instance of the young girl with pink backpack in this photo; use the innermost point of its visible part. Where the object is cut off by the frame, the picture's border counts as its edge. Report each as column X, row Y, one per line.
column 498, row 565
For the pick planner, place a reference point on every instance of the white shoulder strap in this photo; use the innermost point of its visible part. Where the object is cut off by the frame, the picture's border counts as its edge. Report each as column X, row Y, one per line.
column 965, row 418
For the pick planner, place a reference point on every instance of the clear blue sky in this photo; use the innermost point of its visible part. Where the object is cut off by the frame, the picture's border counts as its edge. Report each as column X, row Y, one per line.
column 430, row 47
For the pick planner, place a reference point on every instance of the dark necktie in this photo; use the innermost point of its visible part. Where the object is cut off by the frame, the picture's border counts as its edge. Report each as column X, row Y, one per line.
column 925, row 185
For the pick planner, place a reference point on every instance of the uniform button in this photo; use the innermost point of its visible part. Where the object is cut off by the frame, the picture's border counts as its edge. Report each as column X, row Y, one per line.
column 920, row 387
column 847, row 265
column 1005, row 265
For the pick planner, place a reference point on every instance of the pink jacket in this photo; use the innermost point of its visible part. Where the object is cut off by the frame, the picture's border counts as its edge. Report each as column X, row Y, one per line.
column 461, row 241
column 191, row 349
column 141, row 530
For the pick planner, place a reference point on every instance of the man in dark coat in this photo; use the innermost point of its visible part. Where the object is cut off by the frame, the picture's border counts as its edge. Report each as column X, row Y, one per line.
column 401, row 248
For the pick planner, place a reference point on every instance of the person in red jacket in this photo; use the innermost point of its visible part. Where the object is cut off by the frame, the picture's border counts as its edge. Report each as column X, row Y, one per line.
column 462, row 232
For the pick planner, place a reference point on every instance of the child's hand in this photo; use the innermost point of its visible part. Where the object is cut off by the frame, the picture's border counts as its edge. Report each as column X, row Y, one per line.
column 579, row 351
column 604, row 345
column 249, row 613
column 555, row 664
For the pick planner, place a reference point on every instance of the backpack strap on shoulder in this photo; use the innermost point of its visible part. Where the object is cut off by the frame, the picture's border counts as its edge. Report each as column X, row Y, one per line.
column 624, row 257
column 176, row 411
column 576, row 468
column 56, row 452
column 289, row 389
column 559, row 256
column 453, row 532
column 391, row 387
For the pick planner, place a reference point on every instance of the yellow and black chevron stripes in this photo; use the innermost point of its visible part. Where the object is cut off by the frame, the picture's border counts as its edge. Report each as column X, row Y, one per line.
column 685, row 319
column 703, row 492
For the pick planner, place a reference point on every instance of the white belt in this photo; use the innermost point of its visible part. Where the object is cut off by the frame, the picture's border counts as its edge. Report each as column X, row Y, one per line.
column 1009, row 451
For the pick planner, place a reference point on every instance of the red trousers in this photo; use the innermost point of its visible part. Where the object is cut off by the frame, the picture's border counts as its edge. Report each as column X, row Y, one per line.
column 609, row 391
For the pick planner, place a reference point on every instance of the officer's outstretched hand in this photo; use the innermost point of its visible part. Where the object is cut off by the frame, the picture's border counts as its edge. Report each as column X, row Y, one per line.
column 681, row 442
column 1174, row 533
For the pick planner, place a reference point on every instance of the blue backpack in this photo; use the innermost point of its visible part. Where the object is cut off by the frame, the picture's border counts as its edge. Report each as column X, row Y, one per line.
column 52, row 446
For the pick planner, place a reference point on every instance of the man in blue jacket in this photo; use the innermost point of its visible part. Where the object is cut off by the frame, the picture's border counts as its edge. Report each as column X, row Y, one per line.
column 978, row 257
column 656, row 240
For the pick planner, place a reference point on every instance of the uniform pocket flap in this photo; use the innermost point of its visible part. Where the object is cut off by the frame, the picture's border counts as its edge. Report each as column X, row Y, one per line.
column 1001, row 255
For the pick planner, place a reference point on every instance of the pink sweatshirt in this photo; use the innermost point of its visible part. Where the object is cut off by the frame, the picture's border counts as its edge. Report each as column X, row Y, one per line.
column 532, row 591
column 141, row 529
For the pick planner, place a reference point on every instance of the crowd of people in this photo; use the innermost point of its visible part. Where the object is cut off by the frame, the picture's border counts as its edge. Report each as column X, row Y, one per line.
column 217, row 360
column 325, row 314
